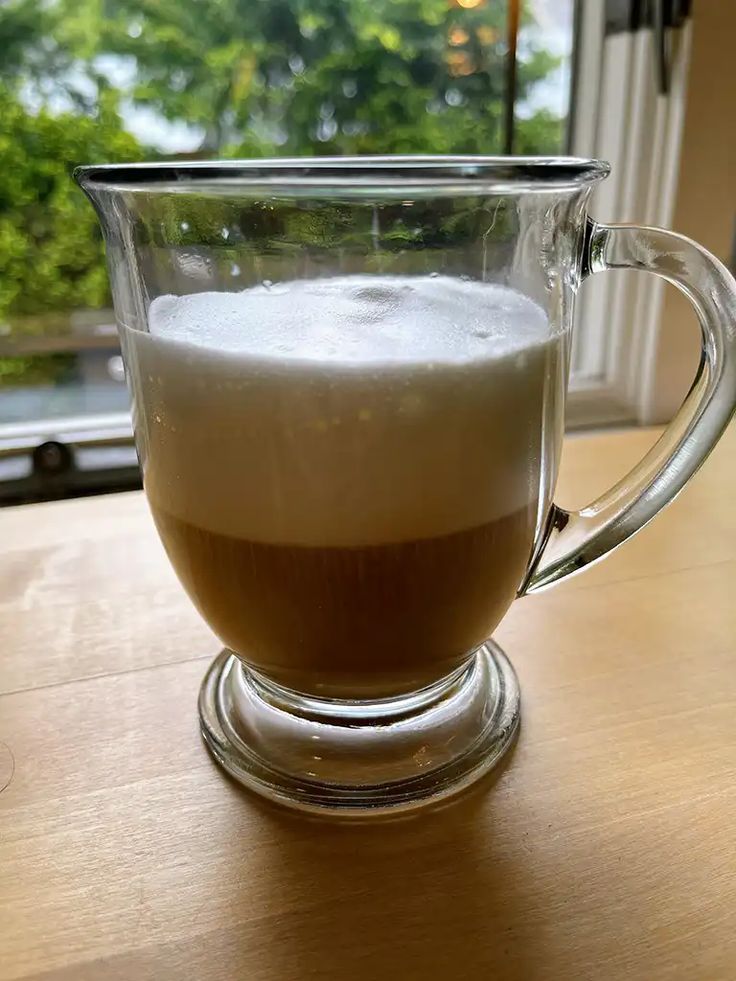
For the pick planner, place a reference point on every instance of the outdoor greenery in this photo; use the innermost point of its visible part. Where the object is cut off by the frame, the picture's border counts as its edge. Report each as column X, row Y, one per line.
column 328, row 76
column 50, row 246
column 253, row 77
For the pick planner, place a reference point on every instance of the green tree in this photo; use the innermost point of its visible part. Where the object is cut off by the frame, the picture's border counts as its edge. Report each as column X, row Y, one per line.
column 51, row 255
column 51, row 252
column 28, row 40
column 258, row 77
column 41, row 43
column 326, row 76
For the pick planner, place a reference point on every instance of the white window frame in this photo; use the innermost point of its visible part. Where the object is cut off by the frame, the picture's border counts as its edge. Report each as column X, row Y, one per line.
column 619, row 115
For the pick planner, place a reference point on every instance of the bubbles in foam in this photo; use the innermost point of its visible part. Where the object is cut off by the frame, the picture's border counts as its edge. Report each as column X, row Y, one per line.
column 357, row 320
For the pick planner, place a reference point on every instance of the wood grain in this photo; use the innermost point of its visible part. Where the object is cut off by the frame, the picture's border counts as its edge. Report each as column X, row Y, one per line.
column 604, row 849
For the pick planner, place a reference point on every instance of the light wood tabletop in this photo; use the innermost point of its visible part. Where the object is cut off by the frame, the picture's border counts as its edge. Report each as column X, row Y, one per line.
column 604, row 848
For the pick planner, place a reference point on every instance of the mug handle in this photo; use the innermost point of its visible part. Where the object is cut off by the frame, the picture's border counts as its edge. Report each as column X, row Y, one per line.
column 574, row 539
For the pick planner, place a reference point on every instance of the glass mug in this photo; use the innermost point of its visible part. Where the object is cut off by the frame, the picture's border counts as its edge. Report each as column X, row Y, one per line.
column 348, row 381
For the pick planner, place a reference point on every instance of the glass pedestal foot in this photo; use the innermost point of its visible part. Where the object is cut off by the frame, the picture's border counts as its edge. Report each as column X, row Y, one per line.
column 360, row 757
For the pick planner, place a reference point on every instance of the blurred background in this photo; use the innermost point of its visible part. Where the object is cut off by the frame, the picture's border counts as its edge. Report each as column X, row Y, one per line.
column 646, row 84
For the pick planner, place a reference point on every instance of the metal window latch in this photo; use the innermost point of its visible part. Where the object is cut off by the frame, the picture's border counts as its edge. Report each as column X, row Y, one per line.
column 667, row 15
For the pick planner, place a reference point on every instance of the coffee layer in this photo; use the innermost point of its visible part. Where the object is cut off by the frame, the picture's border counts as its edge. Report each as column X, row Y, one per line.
column 370, row 621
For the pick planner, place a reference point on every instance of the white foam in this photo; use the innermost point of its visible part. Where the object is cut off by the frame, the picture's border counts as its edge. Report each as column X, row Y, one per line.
column 344, row 411
column 356, row 319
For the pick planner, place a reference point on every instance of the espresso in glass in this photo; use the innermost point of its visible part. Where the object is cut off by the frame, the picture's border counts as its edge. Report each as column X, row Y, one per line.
column 348, row 474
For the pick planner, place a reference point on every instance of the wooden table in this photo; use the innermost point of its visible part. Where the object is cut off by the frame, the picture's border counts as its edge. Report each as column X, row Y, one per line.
column 604, row 849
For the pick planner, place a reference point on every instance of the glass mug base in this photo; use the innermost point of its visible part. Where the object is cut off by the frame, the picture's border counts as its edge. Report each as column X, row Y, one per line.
column 360, row 757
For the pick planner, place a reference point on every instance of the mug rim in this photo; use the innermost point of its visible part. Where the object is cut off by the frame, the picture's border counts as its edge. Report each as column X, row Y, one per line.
column 357, row 172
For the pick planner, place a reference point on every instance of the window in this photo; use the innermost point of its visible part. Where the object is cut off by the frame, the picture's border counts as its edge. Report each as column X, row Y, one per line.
column 630, row 89
column 84, row 82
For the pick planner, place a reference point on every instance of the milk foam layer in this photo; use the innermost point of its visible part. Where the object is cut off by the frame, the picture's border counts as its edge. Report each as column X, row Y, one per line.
column 348, row 411
column 356, row 320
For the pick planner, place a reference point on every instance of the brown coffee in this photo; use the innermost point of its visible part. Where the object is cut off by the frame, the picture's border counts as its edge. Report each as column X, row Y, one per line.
column 353, row 622
column 348, row 473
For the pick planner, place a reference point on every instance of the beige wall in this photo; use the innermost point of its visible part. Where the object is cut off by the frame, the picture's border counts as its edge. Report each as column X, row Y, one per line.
column 706, row 199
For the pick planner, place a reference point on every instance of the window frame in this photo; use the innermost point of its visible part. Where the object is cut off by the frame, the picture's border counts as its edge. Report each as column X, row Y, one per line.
column 620, row 115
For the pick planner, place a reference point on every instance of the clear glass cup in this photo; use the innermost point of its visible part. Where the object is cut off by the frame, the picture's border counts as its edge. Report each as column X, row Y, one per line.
column 350, row 453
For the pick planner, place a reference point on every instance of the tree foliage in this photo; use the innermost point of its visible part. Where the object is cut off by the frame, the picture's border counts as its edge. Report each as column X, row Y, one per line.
column 326, row 76
column 51, row 254
column 256, row 76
